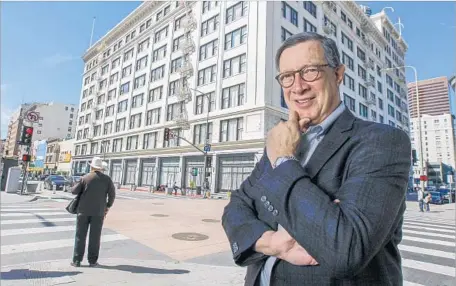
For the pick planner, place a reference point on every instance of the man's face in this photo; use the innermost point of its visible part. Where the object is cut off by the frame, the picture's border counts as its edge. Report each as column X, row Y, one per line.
column 317, row 99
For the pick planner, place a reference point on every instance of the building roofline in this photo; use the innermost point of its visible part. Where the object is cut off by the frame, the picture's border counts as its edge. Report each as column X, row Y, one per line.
column 127, row 23
column 412, row 83
column 364, row 19
column 385, row 20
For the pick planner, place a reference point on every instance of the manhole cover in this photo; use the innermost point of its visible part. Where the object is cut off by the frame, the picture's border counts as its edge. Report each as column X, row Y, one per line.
column 159, row 215
column 210, row 220
column 190, row 236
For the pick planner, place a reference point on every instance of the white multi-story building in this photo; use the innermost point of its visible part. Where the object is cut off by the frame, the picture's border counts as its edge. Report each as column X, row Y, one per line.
column 437, row 138
column 164, row 66
column 55, row 120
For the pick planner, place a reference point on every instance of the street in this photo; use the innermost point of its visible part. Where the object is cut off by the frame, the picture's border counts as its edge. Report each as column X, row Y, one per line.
column 158, row 240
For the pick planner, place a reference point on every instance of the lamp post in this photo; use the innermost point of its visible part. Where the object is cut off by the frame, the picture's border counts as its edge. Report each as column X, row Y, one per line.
column 422, row 169
column 206, row 141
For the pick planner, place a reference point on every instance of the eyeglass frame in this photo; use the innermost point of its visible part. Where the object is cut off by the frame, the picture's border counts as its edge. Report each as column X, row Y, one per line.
column 319, row 68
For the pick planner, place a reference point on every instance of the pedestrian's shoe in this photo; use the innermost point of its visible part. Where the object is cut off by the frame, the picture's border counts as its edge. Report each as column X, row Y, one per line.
column 93, row 264
column 75, row 264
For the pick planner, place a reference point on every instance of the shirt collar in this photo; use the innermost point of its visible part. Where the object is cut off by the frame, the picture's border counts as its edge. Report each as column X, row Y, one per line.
column 323, row 126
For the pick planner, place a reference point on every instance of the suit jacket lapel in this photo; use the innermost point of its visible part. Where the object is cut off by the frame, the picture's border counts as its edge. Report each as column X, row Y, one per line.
column 335, row 137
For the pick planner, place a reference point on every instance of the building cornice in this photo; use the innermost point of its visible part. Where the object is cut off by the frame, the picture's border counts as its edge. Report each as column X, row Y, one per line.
column 365, row 20
column 386, row 21
column 126, row 24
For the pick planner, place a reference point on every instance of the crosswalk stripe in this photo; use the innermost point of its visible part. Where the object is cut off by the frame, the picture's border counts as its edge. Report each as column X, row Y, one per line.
column 52, row 244
column 22, row 221
column 22, row 231
column 425, row 240
column 32, row 214
column 428, row 233
column 407, row 283
column 428, row 228
column 443, row 222
column 426, row 224
column 28, row 210
column 426, row 251
column 430, row 267
column 126, row 197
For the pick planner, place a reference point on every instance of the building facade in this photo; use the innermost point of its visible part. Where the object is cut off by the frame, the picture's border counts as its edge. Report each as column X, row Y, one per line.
column 66, row 151
column 55, row 120
column 433, row 95
column 205, row 69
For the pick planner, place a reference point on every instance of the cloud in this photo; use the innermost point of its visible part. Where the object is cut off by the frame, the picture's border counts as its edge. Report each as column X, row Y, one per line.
column 57, row 59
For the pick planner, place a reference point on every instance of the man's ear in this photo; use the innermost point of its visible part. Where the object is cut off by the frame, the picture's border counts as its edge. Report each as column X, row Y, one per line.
column 340, row 71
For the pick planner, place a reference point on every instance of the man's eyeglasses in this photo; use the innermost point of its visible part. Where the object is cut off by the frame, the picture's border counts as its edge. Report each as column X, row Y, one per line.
column 308, row 74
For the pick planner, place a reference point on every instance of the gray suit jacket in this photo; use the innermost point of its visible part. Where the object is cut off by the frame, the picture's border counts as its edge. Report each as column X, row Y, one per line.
column 363, row 164
column 97, row 193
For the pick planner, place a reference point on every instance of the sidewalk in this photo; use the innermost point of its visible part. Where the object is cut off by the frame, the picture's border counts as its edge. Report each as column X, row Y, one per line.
column 122, row 272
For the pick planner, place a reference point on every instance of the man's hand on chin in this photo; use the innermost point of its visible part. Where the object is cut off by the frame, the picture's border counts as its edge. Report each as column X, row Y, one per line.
column 284, row 138
column 281, row 245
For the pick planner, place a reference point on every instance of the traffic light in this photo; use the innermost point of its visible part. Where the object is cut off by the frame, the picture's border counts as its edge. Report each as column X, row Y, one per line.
column 26, row 158
column 195, row 172
column 208, row 161
column 26, row 135
column 167, row 133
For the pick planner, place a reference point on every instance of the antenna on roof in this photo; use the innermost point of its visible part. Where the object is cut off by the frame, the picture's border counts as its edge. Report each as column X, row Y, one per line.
column 91, row 34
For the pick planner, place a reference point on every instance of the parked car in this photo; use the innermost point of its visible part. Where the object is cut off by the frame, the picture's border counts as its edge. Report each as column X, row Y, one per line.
column 446, row 194
column 55, row 180
column 437, row 198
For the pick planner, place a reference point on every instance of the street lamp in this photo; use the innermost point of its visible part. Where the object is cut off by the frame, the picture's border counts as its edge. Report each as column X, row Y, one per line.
column 207, row 132
column 422, row 172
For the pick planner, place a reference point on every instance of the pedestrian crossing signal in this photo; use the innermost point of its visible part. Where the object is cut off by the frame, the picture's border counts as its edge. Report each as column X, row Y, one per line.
column 26, row 158
column 195, row 172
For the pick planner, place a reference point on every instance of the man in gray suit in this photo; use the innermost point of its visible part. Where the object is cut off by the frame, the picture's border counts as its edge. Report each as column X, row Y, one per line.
column 97, row 196
column 325, row 204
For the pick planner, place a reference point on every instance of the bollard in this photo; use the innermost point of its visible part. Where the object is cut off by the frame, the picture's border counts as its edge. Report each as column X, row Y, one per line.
column 54, row 187
column 151, row 189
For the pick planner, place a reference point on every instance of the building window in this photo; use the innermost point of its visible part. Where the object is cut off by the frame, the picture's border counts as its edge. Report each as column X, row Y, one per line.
column 208, row 50
column 124, row 88
column 349, row 81
column 349, row 102
column 236, row 38
column 207, row 75
column 122, row 106
column 363, row 111
column 153, row 116
column 308, row 27
column 236, row 11
column 159, row 53
column 160, row 35
column 234, row 66
column 135, row 121
column 200, row 133
column 150, row 140
column 289, row 13
column 140, row 81
column 231, row 129
column 120, row 124
column 137, row 100
column 157, row 74
column 176, row 64
column 285, row 34
column 155, row 94
column 174, row 110
column 132, row 142
column 201, row 103
column 210, row 25
column 233, row 96
column 310, row 7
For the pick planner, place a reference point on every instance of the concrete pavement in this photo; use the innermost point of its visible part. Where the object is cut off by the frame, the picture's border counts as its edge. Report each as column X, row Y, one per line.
column 122, row 272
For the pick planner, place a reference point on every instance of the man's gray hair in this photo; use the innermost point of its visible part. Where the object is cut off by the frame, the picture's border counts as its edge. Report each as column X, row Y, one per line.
column 329, row 46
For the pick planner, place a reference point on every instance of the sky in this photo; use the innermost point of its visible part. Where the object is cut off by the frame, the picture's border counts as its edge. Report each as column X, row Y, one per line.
column 41, row 45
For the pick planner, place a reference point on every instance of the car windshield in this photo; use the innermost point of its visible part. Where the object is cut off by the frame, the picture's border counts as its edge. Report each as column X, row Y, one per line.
column 53, row 178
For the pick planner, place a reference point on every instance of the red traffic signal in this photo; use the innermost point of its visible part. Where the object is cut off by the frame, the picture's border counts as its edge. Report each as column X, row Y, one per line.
column 26, row 158
column 26, row 135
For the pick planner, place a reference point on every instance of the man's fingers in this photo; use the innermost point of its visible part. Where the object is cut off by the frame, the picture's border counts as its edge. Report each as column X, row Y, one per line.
column 336, row 201
column 304, row 124
column 293, row 116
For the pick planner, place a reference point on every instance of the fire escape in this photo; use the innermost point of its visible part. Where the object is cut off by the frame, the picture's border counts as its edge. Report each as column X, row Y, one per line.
column 187, row 46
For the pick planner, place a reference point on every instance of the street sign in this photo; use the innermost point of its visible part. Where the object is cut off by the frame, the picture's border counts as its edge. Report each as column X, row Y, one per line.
column 207, row 148
column 33, row 116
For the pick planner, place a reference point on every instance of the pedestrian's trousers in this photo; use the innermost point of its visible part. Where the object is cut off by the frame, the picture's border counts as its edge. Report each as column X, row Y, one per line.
column 82, row 226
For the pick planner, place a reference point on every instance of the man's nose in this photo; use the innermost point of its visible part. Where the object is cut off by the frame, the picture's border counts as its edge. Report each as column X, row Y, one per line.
column 300, row 85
